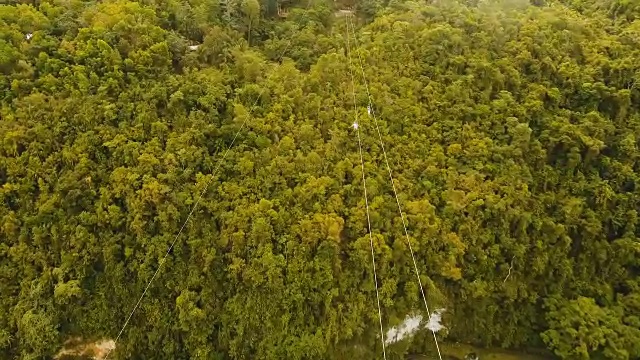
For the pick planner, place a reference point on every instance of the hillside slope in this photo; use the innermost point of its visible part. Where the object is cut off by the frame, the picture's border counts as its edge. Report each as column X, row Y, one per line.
column 512, row 133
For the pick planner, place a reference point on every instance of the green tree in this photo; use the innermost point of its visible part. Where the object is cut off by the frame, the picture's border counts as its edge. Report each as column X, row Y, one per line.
column 251, row 11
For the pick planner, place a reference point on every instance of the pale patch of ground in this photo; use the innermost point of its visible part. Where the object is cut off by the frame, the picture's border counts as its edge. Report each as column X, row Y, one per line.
column 407, row 328
column 435, row 321
column 76, row 347
column 411, row 324
column 343, row 12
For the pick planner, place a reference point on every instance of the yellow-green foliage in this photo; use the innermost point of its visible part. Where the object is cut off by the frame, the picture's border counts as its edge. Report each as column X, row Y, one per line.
column 512, row 132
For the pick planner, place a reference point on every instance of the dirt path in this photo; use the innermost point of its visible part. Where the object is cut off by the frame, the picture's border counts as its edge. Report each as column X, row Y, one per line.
column 455, row 351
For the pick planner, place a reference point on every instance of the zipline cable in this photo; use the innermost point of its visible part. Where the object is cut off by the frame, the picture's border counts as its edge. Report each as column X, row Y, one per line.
column 195, row 205
column 366, row 201
column 395, row 193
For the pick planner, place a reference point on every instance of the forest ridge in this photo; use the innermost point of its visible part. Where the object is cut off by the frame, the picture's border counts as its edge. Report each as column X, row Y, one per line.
column 511, row 128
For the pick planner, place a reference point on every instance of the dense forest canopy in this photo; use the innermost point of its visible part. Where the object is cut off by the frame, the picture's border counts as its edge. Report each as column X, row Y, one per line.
column 511, row 128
